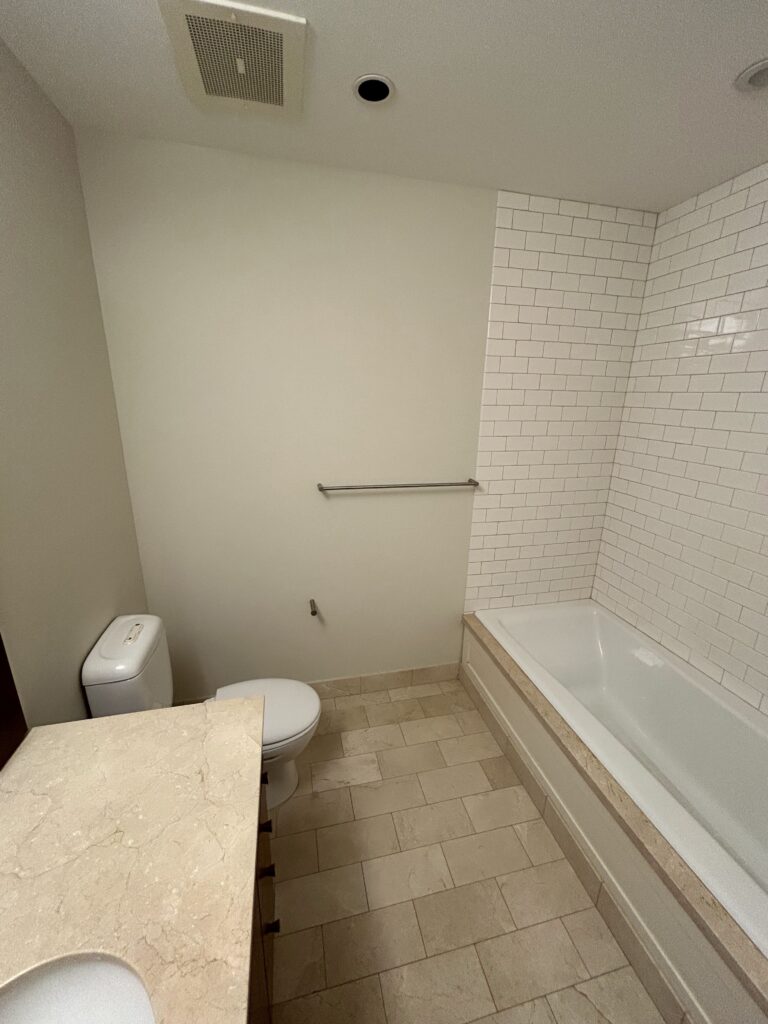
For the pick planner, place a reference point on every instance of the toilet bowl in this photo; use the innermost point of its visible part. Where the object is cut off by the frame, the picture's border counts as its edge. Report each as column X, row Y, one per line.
column 129, row 670
column 291, row 716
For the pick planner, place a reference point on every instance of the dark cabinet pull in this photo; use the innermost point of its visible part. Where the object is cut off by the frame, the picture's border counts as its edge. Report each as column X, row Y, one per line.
column 264, row 778
column 267, row 872
column 265, row 826
column 272, row 927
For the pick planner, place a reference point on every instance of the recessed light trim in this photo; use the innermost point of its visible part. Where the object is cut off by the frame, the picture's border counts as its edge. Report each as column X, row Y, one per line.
column 754, row 77
column 374, row 89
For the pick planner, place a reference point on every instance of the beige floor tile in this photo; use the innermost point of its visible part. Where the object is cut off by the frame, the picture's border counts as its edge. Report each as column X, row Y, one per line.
column 339, row 721
column 405, row 876
column 471, row 722
column 462, row 749
column 302, row 813
column 372, row 942
column 532, row 962
column 361, row 700
column 428, row 729
column 421, row 826
column 316, row 899
column 460, row 917
column 592, row 937
column 485, row 855
column 540, row 845
column 451, row 686
column 386, row 680
column 414, row 691
column 355, row 841
column 446, row 989
column 535, row 1012
column 500, row 772
column 447, row 703
column 338, row 687
column 459, row 780
column 499, row 808
column 436, row 673
column 390, row 795
column 421, row 757
column 304, row 785
column 294, row 856
column 299, row 966
column 321, row 748
column 345, row 771
column 369, row 740
column 394, row 712
column 540, row 893
column 616, row 998
column 359, row 1002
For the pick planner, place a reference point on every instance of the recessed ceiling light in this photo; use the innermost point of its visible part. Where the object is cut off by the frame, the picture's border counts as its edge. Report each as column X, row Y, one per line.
column 373, row 88
column 753, row 77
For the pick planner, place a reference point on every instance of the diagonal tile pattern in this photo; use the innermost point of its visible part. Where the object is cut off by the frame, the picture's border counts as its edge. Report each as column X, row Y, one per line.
column 424, row 887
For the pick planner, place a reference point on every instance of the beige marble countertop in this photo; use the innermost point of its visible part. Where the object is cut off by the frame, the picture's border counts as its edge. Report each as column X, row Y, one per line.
column 135, row 835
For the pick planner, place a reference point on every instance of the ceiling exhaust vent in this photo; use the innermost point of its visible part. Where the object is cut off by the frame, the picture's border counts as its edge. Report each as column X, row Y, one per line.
column 237, row 57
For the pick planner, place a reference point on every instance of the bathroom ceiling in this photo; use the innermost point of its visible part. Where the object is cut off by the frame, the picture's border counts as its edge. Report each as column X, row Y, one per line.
column 625, row 102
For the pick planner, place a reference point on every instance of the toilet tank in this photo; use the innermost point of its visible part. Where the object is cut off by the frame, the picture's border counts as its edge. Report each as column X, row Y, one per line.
column 129, row 668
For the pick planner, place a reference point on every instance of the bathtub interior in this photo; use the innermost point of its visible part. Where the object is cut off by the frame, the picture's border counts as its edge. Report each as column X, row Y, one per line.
column 699, row 741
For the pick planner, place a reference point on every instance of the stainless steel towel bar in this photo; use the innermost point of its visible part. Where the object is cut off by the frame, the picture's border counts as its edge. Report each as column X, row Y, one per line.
column 397, row 487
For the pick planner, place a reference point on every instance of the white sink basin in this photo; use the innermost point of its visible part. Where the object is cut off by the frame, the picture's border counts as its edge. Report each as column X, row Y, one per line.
column 82, row 989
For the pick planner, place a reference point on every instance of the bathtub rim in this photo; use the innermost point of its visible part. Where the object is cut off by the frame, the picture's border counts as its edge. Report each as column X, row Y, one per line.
column 736, row 947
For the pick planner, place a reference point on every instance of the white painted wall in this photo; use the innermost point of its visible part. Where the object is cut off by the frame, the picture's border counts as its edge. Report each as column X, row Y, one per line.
column 68, row 556
column 272, row 325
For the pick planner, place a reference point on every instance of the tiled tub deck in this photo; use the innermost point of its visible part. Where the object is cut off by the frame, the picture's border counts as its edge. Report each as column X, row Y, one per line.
column 418, row 884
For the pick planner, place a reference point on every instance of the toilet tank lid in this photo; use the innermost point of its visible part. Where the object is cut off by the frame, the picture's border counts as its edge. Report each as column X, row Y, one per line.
column 123, row 649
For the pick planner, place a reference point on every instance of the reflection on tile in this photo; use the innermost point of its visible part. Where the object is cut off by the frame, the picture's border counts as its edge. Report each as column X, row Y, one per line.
column 431, row 729
column 407, row 760
column 392, row 713
column 471, row 722
column 378, row 737
column 543, row 892
column 459, row 780
column 460, row 917
column 354, row 841
column 302, row 813
column 386, row 680
column 294, row 855
column 447, row 989
column 337, row 687
column 345, row 771
column 338, row 721
column 616, row 998
column 461, row 749
column 501, row 807
column 359, row 1002
column 299, row 967
column 540, row 845
column 315, row 899
column 421, row 826
column 321, row 748
column 529, row 963
column 372, row 942
column 447, row 703
column 415, row 691
column 591, row 936
column 404, row 876
column 485, row 856
column 390, row 795
column 500, row 772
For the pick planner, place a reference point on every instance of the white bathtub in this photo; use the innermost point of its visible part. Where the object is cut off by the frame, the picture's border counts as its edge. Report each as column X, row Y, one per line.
column 691, row 755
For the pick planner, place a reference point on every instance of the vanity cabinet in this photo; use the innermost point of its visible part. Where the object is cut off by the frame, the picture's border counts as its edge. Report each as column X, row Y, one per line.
column 265, row 927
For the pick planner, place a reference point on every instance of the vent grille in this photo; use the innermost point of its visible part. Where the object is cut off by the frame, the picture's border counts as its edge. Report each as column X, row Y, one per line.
column 241, row 62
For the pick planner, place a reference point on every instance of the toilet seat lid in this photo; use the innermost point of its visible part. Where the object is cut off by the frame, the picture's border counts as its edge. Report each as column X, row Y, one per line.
column 290, row 707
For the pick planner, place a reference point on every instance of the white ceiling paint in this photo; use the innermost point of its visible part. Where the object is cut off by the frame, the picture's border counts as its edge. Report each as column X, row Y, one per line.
column 625, row 102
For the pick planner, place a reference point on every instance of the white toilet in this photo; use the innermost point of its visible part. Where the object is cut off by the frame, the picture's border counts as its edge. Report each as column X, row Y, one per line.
column 129, row 670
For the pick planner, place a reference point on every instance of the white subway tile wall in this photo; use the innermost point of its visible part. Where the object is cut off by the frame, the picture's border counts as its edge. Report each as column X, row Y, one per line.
column 684, row 549
column 566, row 296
